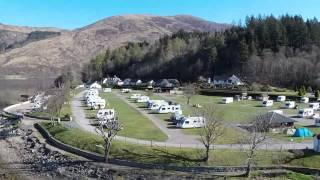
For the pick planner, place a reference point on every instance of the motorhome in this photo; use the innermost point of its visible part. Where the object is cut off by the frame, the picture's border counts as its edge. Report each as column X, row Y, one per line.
column 176, row 117
column 191, row 122
column 267, row 103
column 281, row 98
column 227, row 100
column 169, row 109
column 314, row 106
column 304, row 100
column 290, row 105
column 305, row 113
column 135, row 96
column 142, row 99
column 106, row 114
column 97, row 103
column 125, row 90
column 156, row 104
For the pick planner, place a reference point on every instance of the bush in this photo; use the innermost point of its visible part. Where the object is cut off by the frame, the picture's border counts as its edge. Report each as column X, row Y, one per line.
column 266, row 88
column 255, row 87
column 317, row 93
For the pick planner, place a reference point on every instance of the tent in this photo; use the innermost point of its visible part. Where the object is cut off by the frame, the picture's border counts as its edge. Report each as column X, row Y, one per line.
column 303, row 132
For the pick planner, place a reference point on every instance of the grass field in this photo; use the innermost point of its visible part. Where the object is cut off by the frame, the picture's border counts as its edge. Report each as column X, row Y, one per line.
column 135, row 124
column 238, row 112
column 159, row 155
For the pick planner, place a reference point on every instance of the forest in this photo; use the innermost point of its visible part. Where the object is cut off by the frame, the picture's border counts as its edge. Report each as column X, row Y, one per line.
column 281, row 51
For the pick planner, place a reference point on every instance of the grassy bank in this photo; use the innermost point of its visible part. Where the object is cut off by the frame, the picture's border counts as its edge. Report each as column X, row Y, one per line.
column 160, row 155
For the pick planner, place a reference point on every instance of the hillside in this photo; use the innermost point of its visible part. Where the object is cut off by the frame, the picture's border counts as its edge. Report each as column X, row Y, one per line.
column 30, row 51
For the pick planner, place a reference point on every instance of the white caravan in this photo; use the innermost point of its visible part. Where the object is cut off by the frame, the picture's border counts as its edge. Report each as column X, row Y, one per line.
column 290, row 105
column 277, row 111
column 97, row 104
column 267, row 103
column 164, row 109
column 227, row 100
column 125, row 90
column 305, row 113
column 135, row 96
column 176, row 117
column 304, row 100
column 107, row 90
column 281, row 98
column 155, row 104
column 191, row 122
column 106, row 114
column 143, row 99
column 314, row 106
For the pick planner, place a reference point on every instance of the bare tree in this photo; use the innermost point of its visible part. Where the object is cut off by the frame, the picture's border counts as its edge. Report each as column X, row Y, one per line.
column 212, row 129
column 251, row 143
column 189, row 92
column 108, row 131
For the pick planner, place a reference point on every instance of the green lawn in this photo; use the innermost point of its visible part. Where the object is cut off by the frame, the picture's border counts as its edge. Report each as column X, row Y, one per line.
column 135, row 124
column 159, row 155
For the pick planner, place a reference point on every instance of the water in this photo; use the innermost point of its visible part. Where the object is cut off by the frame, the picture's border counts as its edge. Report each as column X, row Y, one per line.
column 11, row 89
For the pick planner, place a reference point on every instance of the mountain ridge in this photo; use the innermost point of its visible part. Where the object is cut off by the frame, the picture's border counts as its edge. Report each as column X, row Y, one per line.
column 52, row 49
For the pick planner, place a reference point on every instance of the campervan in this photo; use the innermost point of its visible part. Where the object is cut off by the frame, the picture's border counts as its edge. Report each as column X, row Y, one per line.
column 305, row 113
column 304, row 100
column 317, row 122
column 156, row 104
column 314, row 106
column 125, row 90
column 135, row 96
column 142, row 99
column 106, row 114
column 191, row 122
column 281, row 98
column 267, row 103
column 227, row 100
column 277, row 111
column 290, row 105
column 169, row 109
column 176, row 117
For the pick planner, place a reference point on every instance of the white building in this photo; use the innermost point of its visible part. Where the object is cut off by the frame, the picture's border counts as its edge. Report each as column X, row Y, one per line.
column 227, row 81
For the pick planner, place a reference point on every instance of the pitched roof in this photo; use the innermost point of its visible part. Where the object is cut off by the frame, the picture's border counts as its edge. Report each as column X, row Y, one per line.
column 276, row 118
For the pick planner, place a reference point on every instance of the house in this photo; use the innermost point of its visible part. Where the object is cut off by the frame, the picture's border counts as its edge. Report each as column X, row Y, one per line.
column 164, row 83
column 227, row 81
column 112, row 81
column 275, row 120
column 174, row 82
column 127, row 82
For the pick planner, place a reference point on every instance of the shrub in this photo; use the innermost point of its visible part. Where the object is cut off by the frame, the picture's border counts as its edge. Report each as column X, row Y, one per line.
column 266, row 88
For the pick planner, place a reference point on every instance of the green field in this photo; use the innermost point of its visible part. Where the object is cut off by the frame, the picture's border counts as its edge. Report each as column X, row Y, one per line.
column 238, row 112
column 160, row 155
column 135, row 124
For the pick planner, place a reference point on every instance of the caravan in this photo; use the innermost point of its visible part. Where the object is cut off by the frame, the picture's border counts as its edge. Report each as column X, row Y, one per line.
column 227, row 100
column 106, row 114
column 155, row 104
column 134, row 96
column 304, row 100
column 142, row 99
column 98, row 103
column 267, row 103
column 191, row 122
column 314, row 106
column 125, row 90
column 164, row 109
column 176, row 117
column 290, row 105
column 305, row 113
column 281, row 98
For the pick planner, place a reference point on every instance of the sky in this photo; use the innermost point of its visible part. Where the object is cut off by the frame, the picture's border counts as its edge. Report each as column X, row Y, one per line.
column 70, row 14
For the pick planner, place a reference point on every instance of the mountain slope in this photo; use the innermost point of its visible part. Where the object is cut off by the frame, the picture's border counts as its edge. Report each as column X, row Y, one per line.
column 57, row 49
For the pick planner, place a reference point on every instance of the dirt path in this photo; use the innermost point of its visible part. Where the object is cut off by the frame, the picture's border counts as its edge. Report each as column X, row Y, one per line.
column 175, row 136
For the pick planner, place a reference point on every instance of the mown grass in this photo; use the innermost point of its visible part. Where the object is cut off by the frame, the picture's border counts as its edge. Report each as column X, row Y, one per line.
column 135, row 124
column 159, row 155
